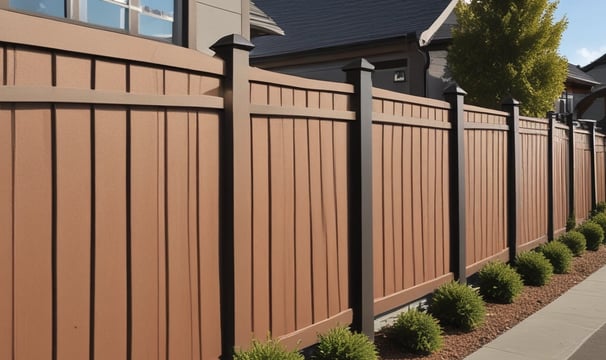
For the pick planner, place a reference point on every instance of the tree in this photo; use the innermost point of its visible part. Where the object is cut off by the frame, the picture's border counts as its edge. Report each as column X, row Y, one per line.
column 509, row 48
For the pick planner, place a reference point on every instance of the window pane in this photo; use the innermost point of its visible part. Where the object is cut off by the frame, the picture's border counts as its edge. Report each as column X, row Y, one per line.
column 47, row 7
column 156, row 18
column 110, row 13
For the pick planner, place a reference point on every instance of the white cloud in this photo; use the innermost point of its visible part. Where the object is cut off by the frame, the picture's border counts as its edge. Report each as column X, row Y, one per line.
column 586, row 56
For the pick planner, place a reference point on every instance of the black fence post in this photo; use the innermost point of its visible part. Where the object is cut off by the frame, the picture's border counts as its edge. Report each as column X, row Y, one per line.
column 571, row 169
column 235, row 194
column 361, row 292
column 456, row 97
column 514, row 167
column 550, row 169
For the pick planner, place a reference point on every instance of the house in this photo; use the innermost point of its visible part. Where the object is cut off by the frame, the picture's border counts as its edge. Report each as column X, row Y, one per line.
column 578, row 85
column 193, row 24
column 405, row 40
column 593, row 106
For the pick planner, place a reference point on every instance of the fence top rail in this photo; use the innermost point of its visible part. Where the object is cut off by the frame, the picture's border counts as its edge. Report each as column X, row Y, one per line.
column 561, row 126
column 582, row 132
column 274, row 78
column 481, row 110
column 29, row 30
column 534, row 120
column 378, row 93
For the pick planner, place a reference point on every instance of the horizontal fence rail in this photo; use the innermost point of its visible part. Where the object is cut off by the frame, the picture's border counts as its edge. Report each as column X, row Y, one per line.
column 156, row 202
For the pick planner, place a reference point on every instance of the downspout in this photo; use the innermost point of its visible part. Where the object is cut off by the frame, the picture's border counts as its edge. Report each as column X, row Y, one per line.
column 424, row 50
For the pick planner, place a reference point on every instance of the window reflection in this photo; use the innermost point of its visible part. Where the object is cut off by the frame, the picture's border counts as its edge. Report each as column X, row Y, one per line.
column 46, row 7
column 156, row 18
column 105, row 13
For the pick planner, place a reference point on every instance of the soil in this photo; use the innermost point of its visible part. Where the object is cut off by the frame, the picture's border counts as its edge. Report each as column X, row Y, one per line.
column 502, row 317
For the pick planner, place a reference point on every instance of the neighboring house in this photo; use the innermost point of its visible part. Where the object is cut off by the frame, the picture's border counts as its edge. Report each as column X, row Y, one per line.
column 195, row 24
column 593, row 106
column 405, row 40
column 578, row 85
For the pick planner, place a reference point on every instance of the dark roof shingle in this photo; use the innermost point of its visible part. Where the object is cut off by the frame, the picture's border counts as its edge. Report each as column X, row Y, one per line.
column 316, row 24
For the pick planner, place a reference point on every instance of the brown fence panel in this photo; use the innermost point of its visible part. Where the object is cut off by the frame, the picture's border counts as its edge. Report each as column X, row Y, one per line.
column 533, row 213
column 486, row 190
column 600, row 164
column 6, row 230
column 300, row 281
column 411, row 196
column 109, row 227
column 560, row 178
column 582, row 175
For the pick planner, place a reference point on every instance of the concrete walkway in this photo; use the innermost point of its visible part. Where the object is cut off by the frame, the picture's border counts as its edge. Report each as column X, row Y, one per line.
column 572, row 327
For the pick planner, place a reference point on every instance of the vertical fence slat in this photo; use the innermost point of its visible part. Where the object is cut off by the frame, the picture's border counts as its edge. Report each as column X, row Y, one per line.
column 261, row 229
column 6, row 231
column 304, row 286
column 110, row 238
column 407, row 174
column 145, row 238
column 377, row 209
column 340, row 136
column 320, row 273
column 208, row 222
column 33, row 234
column 178, row 250
column 73, row 231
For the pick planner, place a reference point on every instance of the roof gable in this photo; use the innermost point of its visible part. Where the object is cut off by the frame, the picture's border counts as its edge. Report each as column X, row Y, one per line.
column 598, row 62
column 317, row 24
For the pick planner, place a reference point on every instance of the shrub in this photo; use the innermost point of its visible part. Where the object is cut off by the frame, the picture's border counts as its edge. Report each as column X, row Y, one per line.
column 458, row 305
column 341, row 344
column 534, row 268
column 416, row 332
column 270, row 350
column 499, row 283
column 594, row 235
column 600, row 207
column 600, row 219
column 571, row 223
column 575, row 241
column 559, row 255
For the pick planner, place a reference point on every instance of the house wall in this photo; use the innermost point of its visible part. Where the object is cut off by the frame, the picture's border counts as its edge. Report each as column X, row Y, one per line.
column 328, row 67
column 599, row 73
column 217, row 18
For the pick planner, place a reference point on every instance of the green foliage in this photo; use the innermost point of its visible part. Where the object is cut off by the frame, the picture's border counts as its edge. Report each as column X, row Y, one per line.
column 499, row 283
column 600, row 207
column 341, row 344
column 269, row 350
column 558, row 254
column 458, row 305
column 534, row 268
column 519, row 41
column 417, row 332
column 600, row 219
column 594, row 234
column 575, row 241
column 571, row 223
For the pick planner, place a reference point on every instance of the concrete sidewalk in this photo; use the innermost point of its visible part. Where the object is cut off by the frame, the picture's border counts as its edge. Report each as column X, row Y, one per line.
column 571, row 327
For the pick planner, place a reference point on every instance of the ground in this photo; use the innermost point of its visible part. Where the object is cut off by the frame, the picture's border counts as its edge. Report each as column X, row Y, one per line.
column 501, row 317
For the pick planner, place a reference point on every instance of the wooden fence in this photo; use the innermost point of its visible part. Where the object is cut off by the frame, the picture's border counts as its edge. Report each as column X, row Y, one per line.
column 156, row 202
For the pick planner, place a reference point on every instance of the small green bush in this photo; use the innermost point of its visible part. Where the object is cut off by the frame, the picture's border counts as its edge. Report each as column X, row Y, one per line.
column 600, row 219
column 571, row 223
column 559, row 255
column 594, row 235
column 575, row 241
column 458, row 305
column 499, row 283
column 534, row 268
column 600, row 207
column 270, row 350
column 342, row 344
column 417, row 332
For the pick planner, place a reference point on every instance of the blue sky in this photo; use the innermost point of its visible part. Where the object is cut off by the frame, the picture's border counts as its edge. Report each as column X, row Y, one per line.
column 585, row 38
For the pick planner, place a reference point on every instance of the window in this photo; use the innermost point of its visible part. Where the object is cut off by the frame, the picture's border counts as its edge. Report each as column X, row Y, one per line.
column 153, row 18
